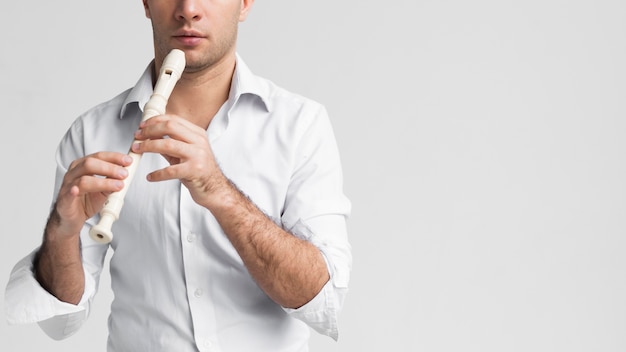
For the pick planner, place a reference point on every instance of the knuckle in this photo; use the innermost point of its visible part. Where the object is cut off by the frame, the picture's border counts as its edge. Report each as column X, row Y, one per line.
column 168, row 172
column 169, row 143
column 90, row 162
column 82, row 182
column 198, row 167
column 170, row 124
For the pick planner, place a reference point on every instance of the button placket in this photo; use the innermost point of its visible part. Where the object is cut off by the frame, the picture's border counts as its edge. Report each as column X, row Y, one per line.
column 196, row 273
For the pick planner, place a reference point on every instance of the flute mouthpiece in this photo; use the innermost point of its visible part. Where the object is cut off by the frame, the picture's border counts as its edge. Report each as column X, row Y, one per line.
column 174, row 63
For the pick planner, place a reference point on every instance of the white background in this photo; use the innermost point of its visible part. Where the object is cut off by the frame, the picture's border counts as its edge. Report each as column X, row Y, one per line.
column 483, row 145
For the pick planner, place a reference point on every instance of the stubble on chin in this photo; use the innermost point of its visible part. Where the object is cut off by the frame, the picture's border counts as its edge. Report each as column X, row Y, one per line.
column 197, row 60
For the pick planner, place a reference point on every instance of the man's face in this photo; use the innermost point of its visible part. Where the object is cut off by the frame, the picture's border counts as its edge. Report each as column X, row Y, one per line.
column 205, row 29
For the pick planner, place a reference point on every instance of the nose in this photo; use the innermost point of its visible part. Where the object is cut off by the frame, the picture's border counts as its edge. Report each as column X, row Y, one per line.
column 188, row 10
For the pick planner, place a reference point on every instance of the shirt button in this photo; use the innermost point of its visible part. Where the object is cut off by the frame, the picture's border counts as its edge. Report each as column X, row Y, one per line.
column 198, row 293
column 191, row 237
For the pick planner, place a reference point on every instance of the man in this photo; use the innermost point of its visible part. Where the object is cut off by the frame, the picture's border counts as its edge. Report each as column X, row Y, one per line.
column 235, row 240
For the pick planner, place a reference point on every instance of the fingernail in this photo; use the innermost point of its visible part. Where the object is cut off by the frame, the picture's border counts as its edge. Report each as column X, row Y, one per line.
column 127, row 159
column 136, row 146
column 122, row 173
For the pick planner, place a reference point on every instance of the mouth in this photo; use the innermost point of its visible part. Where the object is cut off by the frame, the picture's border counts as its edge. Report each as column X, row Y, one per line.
column 188, row 38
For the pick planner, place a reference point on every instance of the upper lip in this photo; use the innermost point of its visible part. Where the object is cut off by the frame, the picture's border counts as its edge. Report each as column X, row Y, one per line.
column 188, row 33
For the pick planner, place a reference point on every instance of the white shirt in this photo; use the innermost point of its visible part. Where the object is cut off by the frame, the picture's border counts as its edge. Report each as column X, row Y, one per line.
column 179, row 284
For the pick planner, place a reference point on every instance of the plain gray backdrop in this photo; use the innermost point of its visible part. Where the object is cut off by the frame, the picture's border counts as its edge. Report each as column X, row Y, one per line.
column 483, row 146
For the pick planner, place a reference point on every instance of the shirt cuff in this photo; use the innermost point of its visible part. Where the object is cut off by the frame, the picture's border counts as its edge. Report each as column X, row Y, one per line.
column 27, row 302
column 321, row 312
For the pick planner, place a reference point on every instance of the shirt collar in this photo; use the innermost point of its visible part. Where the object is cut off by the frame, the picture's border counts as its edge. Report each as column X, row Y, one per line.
column 243, row 82
column 246, row 82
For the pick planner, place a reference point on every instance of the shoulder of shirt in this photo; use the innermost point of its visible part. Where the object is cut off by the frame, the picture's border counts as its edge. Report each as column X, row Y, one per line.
column 290, row 108
column 272, row 95
column 277, row 92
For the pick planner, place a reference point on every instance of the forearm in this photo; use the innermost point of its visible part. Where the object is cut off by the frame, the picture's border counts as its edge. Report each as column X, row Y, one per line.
column 58, row 266
column 291, row 271
column 288, row 269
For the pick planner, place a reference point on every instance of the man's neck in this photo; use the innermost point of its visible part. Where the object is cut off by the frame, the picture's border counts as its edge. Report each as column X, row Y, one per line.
column 199, row 95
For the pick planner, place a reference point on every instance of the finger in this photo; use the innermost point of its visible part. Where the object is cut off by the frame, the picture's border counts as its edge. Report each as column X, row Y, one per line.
column 93, row 184
column 111, row 157
column 169, row 117
column 108, row 164
column 172, row 172
column 171, row 126
column 169, row 148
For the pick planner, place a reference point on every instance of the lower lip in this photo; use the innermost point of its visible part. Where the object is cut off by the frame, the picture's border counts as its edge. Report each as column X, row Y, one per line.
column 189, row 41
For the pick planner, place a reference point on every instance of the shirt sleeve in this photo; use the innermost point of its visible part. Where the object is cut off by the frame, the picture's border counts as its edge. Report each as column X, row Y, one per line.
column 316, row 210
column 322, row 312
column 25, row 300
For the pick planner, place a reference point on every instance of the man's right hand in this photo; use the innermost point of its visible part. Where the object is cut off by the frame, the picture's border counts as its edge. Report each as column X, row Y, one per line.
column 86, row 186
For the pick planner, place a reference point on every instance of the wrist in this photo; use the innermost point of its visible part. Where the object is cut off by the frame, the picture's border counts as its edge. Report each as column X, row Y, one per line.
column 58, row 230
column 226, row 198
